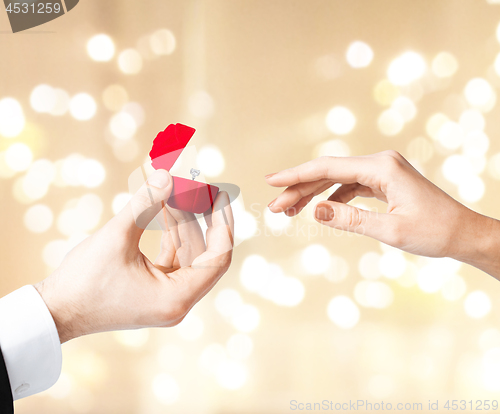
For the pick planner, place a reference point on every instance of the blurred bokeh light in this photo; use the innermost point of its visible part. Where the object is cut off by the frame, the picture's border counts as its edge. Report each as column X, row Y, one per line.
column 305, row 312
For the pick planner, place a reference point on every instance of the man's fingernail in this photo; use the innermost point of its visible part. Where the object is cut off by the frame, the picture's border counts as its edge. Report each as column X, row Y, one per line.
column 270, row 175
column 160, row 179
column 271, row 203
column 324, row 212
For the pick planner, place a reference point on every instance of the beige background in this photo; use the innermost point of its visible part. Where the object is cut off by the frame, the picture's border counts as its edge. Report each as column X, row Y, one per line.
column 258, row 60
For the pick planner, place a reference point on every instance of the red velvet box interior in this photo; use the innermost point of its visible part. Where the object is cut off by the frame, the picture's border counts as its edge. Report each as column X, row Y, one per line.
column 187, row 195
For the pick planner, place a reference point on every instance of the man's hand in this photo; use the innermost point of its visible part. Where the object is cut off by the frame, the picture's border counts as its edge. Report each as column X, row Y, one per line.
column 420, row 218
column 106, row 283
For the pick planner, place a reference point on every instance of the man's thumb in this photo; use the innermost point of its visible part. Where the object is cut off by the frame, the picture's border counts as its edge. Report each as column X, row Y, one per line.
column 147, row 202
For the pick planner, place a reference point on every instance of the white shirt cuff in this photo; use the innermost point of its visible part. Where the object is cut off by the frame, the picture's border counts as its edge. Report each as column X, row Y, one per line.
column 29, row 342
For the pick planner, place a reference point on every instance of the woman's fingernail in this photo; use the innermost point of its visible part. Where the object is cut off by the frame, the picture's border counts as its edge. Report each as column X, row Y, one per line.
column 272, row 202
column 160, row 179
column 270, row 175
column 324, row 212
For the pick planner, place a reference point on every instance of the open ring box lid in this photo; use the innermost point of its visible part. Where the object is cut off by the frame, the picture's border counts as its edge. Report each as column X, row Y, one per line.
column 187, row 195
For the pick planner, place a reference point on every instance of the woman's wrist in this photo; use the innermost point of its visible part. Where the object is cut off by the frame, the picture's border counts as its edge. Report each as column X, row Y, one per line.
column 478, row 243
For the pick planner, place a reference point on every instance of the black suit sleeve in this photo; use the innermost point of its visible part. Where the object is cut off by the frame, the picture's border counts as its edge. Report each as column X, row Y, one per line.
column 6, row 403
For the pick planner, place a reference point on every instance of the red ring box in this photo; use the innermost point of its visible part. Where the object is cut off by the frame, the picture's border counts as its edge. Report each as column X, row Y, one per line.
column 187, row 195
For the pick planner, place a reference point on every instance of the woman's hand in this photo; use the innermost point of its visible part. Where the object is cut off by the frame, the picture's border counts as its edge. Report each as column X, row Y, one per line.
column 106, row 283
column 420, row 219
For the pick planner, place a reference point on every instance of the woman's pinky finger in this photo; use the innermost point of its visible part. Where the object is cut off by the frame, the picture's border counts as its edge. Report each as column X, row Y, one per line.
column 297, row 208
